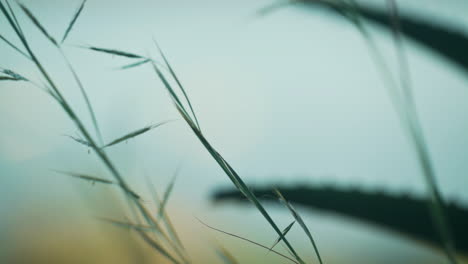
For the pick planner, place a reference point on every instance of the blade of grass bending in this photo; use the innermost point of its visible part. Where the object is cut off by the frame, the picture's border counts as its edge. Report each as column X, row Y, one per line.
column 133, row 65
column 233, row 176
column 14, row 47
column 86, row 177
column 136, row 133
column 227, row 257
column 405, row 75
column 248, row 240
column 285, row 231
column 300, row 221
column 37, row 23
column 85, row 96
column 72, row 22
column 73, row 117
column 115, row 52
column 141, row 230
column 405, row 108
column 178, row 83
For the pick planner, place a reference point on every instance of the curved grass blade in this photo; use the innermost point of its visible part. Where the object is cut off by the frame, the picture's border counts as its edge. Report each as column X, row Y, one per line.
column 38, row 24
column 86, row 177
column 248, row 240
column 115, row 52
column 136, row 133
column 300, row 221
column 178, row 83
column 85, row 96
column 230, row 172
column 72, row 22
column 285, row 231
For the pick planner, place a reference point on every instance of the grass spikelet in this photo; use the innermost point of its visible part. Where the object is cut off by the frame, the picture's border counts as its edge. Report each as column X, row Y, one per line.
column 136, row 133
column 38, row 24
column 73, row 21
column 115, row 52
column 14, row 75
column 81, row 141
column 300, row 221
column 133, row 65
column 166, row 195
column 86, row 177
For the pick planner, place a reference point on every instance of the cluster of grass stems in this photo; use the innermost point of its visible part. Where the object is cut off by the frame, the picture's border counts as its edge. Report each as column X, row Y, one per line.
column 157, row 229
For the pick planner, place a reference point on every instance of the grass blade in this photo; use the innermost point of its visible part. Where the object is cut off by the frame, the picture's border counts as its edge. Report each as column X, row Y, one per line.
column 116, row 52
column 166, row 195
column 85, row 96
column 72, row 22
column 14, row 47
column 230, row 172
column 178, row 83
column 136, row 133
column 165, row 217
column 248, row 240
column 300, row 221
column 86, row 177
column 285, row 231
column 133, row 65
column 37, row 23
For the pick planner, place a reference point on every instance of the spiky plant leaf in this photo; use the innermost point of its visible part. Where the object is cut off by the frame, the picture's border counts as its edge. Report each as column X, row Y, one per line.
column 86, row 177
column 298, row 218
column 116, row 52
column 133, row 65
column 136, row 133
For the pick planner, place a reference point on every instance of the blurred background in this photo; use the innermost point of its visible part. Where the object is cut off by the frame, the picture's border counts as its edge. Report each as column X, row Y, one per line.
column 288, row 98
